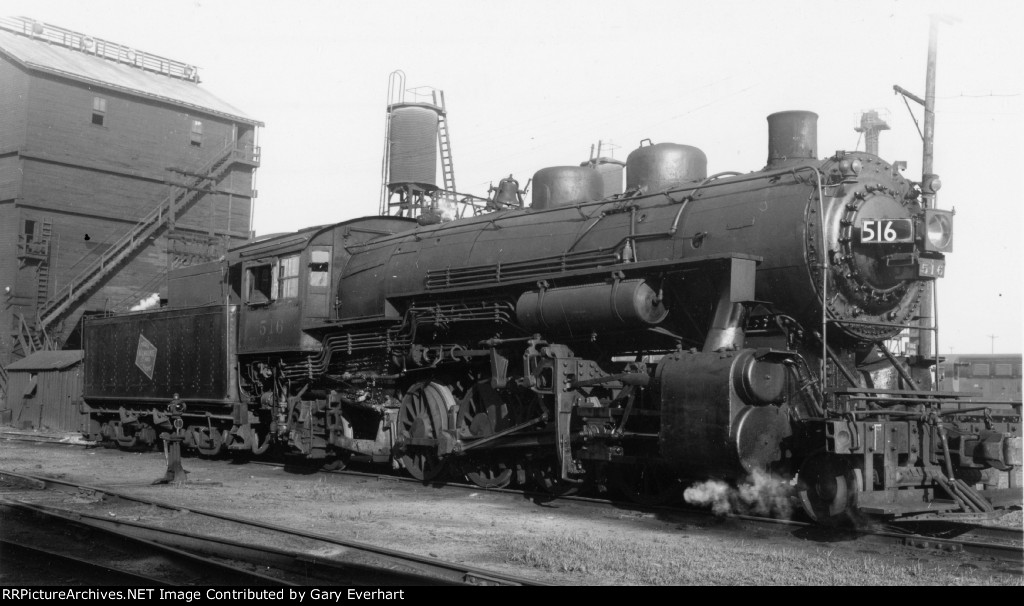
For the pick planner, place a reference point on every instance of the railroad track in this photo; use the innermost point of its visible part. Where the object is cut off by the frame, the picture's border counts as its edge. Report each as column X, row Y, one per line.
column 992, row 542
column 16, row 436
column 54, row 545
column 987, row 541
column 1005, row 544
column 349, row 564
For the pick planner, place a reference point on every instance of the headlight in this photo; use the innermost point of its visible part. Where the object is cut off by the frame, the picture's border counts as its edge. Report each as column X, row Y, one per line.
column 932, row 184
column 938, row 230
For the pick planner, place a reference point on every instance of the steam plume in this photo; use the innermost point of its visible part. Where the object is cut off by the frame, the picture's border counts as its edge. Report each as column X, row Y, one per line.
column 760, row 494
column 150, row 302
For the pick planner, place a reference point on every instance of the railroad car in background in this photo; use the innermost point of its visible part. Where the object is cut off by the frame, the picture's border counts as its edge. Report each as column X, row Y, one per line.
column 692, row 326
column 993, row 376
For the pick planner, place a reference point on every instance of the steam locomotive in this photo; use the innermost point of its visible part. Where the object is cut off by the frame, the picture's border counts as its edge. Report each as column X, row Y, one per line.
column 690, row 327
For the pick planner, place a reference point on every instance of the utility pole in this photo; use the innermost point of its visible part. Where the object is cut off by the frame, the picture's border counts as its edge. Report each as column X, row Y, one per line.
column 992, row 339
column 927, row 176
column 927, row 349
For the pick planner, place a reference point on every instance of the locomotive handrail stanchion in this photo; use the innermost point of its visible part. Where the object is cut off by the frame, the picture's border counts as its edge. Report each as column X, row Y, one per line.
column 835, row 360
column 824, row 273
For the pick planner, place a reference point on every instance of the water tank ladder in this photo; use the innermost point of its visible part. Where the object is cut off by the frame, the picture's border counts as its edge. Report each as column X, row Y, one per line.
column 444, row 143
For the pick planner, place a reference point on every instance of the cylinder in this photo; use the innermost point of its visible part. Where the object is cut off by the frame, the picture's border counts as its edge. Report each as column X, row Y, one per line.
column 792, row 135
column 611, row 171
column 628, row 303
column 721, row 413
column 566, row 185
column 412, row 136
column 759, row 381
column 663, row 166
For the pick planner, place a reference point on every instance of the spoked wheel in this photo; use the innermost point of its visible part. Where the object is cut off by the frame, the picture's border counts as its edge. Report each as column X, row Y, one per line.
column 827, row 488
column 646, row 483
column 482, row 412
column 423, row 418
column 487, row 474
column 546, row 475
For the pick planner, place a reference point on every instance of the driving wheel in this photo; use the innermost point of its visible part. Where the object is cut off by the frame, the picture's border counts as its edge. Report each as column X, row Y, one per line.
column 423, row 417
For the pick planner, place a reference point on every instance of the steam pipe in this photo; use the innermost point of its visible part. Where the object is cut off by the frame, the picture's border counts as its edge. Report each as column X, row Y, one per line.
column 693, row 193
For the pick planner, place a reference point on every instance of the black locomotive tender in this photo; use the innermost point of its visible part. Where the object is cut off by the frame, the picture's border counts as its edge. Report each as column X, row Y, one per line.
column 672, row 332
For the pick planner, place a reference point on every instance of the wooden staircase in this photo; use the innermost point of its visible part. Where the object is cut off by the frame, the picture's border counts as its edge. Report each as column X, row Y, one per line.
column 178, row 201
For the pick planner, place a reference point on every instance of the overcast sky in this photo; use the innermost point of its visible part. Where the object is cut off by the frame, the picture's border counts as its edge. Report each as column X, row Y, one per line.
column 531, row 84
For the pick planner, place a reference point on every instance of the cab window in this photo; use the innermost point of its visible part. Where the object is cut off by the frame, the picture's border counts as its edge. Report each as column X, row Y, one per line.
column 260, row 284
column 288, row 278
column 319, row 262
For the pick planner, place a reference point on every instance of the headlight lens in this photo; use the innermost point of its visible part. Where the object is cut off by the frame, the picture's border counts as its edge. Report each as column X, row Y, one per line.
column 938, row 230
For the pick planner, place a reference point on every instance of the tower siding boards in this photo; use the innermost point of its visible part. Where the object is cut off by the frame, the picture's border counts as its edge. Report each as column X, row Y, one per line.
column 8, row 274
column 97, row 180
column 10, row 177
column 13, row 100
column 139, row 136
column 122, row 199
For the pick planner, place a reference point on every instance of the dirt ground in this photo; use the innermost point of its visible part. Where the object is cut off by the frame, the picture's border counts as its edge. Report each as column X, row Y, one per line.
column 551, row 542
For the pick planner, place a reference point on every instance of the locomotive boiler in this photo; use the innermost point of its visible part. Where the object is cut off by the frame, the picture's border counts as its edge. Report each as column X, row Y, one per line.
column 693, row 326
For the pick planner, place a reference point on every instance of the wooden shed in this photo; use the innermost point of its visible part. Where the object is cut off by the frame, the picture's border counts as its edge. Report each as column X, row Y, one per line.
column 45, row 392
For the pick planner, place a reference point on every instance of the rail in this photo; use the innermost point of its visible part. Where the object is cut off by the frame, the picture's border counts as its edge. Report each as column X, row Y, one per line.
column 104, row 49
column 384, row 565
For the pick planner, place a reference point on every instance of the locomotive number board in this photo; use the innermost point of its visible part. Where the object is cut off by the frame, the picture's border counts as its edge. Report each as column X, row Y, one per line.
column 886, row 231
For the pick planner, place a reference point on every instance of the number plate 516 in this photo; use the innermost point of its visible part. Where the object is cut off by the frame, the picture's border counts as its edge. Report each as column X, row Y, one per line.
column 886, row 231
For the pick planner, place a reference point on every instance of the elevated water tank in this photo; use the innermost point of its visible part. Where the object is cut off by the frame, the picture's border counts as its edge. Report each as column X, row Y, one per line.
column 664, row 166
column 412, row 139
column 565, row 186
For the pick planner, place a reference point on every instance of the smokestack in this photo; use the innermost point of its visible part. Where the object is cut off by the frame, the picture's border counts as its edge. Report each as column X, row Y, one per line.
column 792, row 135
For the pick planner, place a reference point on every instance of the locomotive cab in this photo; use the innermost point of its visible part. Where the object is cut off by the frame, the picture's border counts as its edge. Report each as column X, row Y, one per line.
column 275, row 278
column 288, row 282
